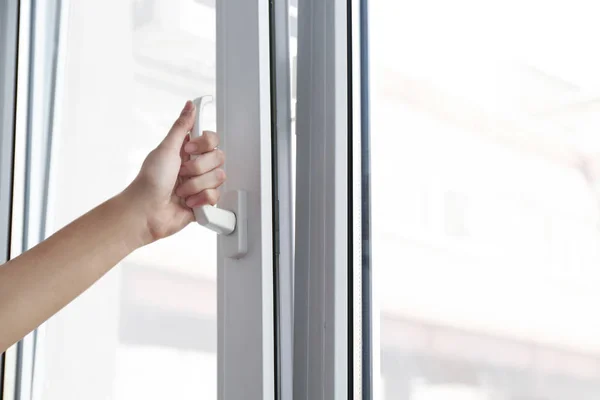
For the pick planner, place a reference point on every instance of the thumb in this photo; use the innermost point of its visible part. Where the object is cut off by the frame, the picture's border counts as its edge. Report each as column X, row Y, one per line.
column 181, row 127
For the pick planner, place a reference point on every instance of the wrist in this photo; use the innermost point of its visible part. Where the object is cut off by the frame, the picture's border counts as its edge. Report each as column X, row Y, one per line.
column 135, row 218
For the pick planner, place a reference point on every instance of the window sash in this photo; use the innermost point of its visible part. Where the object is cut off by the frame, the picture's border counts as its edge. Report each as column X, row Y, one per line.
column 324, row 270
column 246, row 323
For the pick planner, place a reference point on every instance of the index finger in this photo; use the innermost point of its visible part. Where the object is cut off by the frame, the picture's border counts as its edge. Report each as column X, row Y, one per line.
column 202, row 144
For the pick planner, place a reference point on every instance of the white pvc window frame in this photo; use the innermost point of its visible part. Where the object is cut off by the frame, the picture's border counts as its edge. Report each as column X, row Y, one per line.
column 15, row 362
column 321, row 357
column 246, row 322
column 8, row 73
column 328, row 312
column 33, row 119
column 281, row 119
column 9, row 33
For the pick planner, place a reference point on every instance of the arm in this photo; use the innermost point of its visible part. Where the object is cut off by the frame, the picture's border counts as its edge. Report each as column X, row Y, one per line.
column 41, row 281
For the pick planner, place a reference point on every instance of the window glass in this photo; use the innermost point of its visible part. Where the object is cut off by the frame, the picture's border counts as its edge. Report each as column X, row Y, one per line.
column 485, row 199
column 147, row 330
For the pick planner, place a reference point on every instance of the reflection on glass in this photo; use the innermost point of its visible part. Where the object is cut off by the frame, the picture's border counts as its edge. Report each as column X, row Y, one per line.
column 485, row 199
column 148, row 329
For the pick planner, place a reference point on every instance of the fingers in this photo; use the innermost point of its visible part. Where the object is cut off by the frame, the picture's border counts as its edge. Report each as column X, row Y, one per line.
column 181, row 127
column 201, row 170
column 202, row 144
column 184, row 156
column 206, row 197
column 203, row 163
column 197, row 184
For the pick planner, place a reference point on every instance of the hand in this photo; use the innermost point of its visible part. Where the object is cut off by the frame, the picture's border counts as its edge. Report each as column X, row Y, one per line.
column 170, row 183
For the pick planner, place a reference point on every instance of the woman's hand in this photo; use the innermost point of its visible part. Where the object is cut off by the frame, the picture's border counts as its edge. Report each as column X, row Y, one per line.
column 170, row 183
column 158, row 203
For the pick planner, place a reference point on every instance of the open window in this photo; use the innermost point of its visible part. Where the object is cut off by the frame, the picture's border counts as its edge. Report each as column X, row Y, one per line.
column 178, row 319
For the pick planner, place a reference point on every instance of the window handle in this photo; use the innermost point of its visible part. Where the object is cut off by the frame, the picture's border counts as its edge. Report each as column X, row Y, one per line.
column 228, row 220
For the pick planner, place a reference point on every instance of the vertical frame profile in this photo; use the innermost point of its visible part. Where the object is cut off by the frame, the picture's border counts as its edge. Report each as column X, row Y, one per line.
column 246, row 330
column 13, row 48
column 9, row 16
column 358, row 26
column 325, row 269
column 9, row 39
column 333, row 329
column 26, row 132
column 281, row 121
column 37, row 131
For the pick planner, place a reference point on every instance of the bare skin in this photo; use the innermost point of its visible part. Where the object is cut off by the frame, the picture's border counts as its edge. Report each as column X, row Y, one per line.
column 157, row 204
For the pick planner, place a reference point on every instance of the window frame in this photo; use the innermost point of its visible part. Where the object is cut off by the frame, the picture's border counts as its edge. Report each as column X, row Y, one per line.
column 283, row 221
column 9, row 14
column 327, row 263
column 366, row 322
column 246, row 301
column 33, row 121
column 8, row 71
column 21, row 12
column 333, row 325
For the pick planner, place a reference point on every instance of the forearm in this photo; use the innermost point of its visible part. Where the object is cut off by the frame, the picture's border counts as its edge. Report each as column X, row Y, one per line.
column 40, row 282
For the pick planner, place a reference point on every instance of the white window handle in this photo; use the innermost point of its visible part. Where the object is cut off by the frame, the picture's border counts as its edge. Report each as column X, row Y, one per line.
column 230, row 220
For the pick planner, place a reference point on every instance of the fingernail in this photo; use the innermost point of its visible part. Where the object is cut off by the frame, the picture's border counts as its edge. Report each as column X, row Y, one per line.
column 189, row 106
column 190, row 147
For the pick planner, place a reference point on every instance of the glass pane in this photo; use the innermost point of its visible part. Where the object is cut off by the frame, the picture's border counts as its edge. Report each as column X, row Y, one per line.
column 147, row 330
column 485, row 199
